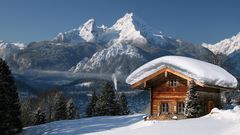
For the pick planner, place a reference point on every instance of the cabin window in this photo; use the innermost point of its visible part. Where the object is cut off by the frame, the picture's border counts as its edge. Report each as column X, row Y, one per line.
column 173, row 83
column 164, row 108
column 180, row 107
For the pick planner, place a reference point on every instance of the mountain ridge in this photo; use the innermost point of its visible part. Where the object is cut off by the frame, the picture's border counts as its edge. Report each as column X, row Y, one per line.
column 146, row 43
column 227, row 46
column 129, row 28
column 124, row 46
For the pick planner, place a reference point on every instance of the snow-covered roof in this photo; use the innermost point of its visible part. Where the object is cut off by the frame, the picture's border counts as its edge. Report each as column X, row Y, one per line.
column 201, row 71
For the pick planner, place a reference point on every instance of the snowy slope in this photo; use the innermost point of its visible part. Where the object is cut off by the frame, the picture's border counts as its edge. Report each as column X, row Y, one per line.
column 226, row 46
column 220, row 122
column 198, row 70
column 102, row 58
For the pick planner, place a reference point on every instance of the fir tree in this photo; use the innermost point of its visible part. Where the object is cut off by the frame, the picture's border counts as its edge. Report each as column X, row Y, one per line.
column 9, row 103
column 60, row 106
column 71, row 109
column 192, row 103
column 91, row 107
column 123, row 105
column 106, row 104
column 40, row 117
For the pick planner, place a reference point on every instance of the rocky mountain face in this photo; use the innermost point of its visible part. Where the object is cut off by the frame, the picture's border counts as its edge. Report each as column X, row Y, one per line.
column 48, row 55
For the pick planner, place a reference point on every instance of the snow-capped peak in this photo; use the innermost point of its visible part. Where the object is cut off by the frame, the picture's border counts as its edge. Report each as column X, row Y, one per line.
column 87, row 31
column 132, row 28
column 7, row 48
column 128, row 29
column 238, row 35
column 84, row 33
column 226, row 46
column 126, row 20
column 17, row 45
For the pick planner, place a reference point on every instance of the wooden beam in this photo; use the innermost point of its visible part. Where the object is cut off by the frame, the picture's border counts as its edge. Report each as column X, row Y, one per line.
column 188, row 83
column 165, row 74
column 136, row 84
column 199, row 83
column 178, row 74
column 148, row 78
column 151, row 101
column 219, row 87
column 144, row 84
column 164, row 70
column 212, row 86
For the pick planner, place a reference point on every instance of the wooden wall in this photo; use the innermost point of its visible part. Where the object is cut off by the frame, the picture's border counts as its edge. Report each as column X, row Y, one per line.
column 162, row 92
column 209, row 98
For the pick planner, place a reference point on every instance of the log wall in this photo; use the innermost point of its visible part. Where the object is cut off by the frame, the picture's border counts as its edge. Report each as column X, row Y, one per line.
column 162, row 92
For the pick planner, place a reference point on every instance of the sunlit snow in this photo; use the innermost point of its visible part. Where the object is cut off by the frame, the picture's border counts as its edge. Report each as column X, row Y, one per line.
column 219, row 122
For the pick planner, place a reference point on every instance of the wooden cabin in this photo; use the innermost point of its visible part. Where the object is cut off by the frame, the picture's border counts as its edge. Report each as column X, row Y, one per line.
column 168, row 88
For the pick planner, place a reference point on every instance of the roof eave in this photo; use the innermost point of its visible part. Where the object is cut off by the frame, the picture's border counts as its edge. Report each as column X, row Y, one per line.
column 142, row 84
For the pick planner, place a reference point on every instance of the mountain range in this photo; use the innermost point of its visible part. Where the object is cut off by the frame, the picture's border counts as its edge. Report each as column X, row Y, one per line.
column 118, row 49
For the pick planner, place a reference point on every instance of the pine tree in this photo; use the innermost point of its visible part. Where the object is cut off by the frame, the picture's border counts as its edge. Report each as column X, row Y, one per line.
column 10, row 122
column 91, row 107
column 123, row 105
column 71, row 109
column 106, row 104
column 39, row 117
column 60, row 106
column 192, row 103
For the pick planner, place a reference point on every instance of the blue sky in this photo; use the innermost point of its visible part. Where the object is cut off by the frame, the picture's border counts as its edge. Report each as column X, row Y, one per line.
column 196, row 21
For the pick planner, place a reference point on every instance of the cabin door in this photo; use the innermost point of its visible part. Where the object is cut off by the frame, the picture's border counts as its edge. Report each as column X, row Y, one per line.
column 210, row 106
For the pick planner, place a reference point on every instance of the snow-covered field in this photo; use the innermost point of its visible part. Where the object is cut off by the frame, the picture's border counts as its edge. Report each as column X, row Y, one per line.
column 220, row 122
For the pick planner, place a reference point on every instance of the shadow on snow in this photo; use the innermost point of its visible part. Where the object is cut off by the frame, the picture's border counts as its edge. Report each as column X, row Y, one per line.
column 82, row 126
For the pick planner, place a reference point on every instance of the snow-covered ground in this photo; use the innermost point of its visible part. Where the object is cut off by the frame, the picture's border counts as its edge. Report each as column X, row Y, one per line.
column 220, row 122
